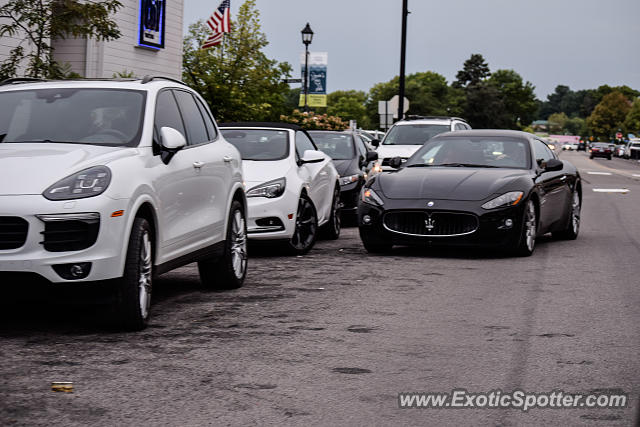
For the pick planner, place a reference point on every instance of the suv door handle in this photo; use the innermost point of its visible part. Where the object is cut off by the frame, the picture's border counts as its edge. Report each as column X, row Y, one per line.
column 198, row 165
column 227, row 159
column 563, row 177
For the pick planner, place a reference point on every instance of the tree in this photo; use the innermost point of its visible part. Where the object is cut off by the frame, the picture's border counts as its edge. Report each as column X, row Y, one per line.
column 428, row 94
column 39, row 22
column 312, row 120
column 576, row 126
column 236, row 78
column 349, row 105
column 557, row 122
column 632, row 121
column 518, row 98
column 474, row 70
column 609, row 115
column 485, row 107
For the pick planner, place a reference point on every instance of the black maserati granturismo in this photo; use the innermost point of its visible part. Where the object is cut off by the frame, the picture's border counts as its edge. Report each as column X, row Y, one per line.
column 492, row 188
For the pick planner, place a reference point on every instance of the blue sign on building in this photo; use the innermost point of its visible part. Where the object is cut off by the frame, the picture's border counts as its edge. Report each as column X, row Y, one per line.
column 151, row 24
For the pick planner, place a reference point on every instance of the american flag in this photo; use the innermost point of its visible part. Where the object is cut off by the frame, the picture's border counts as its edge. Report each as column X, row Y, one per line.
column 219, row 23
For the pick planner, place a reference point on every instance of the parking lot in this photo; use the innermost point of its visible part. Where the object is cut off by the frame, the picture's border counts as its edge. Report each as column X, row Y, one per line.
column 332, row 337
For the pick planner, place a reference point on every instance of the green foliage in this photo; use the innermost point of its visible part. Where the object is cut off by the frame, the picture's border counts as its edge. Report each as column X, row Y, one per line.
column 312, row 121
column 576, row 126
column 236, row 78
column 349, row 105
column 609, row 115
column 474, row 70
column 557, row 122
column 632, row 121
column 124, row 74
column 41, row 21
column 428, row 94
column 518, row 98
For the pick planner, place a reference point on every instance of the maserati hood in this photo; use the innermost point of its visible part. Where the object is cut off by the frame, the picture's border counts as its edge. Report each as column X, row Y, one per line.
column 30, row 168
column 446, row 183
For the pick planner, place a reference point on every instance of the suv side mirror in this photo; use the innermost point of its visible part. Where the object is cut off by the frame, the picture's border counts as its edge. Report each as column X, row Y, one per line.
column 375, row 142
column 172, row 139
column 371, row 156
column 553, row 165
column 395, row 162
column 312, row 156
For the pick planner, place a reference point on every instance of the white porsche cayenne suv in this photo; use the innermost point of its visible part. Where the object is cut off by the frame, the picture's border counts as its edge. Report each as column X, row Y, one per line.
column 293, row 189
column 117, row 181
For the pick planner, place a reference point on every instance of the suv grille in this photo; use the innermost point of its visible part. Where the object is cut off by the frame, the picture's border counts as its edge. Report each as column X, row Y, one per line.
column 422, row 223
column 70, row 235
column 13, row 232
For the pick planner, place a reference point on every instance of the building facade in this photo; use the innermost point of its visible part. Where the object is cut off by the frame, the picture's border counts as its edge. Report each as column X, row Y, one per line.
column 150, row 43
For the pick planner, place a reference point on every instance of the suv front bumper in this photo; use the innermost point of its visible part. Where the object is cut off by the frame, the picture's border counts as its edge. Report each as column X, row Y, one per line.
column 106, row 255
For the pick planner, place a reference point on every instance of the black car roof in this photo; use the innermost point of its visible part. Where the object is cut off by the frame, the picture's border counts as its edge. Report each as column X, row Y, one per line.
column 487, row 132
column 259, row 125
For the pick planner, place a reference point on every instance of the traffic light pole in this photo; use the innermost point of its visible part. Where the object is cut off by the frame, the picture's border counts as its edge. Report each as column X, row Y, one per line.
column 403, row 56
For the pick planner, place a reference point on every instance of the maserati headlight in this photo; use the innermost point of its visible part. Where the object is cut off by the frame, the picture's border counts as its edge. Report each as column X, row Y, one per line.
column 369, row 196
column 345, row 180
column 511, row 198
column 87, row 183
column 269, row 189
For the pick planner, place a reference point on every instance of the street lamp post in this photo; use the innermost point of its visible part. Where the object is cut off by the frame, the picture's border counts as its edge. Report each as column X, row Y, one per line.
column 307, row 37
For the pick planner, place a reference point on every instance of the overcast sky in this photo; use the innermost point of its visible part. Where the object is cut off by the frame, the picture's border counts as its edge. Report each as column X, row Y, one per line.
column 579, row 43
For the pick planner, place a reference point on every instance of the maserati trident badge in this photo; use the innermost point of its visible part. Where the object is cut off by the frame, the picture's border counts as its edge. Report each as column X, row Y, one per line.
column 430, row 204
column 429, row 223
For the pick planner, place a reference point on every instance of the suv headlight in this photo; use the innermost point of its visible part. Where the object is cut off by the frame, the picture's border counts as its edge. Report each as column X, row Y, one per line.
column 87, row 183
column 269, row 189
column 511, row 198
column 346, row 180
column 369, row 196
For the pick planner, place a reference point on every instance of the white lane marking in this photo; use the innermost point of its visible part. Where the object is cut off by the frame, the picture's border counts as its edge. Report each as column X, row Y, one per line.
column 611, row 190
column 637, row 175
column 599, row 173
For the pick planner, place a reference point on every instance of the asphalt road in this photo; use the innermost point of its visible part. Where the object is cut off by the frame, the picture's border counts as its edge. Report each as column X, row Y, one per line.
column 332, row 337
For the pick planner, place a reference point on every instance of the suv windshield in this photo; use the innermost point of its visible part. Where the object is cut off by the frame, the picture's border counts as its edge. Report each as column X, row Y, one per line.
column 259, row 144
column 337, row 145
column 413, row 134
column 72, row 115
column 473, row 152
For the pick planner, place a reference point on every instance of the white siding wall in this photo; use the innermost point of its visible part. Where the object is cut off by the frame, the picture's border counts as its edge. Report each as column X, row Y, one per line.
column 103, row 59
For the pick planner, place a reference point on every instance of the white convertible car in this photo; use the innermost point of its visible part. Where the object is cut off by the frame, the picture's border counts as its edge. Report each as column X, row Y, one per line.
column 293, row 190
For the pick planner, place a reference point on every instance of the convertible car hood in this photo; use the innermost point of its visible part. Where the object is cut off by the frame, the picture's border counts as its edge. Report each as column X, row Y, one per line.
column 31, row 168
column 258, row 172
column 454, row 183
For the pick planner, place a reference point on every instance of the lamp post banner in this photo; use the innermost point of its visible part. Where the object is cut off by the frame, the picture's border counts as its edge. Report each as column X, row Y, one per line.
column 317, row 84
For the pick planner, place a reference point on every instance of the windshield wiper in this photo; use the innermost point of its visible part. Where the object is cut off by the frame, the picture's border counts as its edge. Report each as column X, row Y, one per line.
column 420, row 165
column 45, row 141
column 466, row 165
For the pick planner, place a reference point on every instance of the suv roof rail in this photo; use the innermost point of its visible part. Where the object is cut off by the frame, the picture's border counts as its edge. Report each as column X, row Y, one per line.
column 20, row 80
column 417, row 117
column 146, row 79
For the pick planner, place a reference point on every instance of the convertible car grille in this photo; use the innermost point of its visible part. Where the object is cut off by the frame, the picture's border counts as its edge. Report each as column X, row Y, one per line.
column 13, row 232
column 422, row 223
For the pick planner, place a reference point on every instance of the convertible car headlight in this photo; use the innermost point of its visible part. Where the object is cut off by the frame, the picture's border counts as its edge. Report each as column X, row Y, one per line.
column 345, row 180
column 87, row 183
column 270, row 190
column 369, row 196
column 511, row 198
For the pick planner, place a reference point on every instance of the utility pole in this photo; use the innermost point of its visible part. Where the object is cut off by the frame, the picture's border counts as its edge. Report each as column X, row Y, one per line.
column 403, row 57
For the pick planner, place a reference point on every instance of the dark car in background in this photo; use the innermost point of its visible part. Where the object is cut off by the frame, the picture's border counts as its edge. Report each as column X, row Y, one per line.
column 351, row 158
column 601, row 149
column 491, row 188
column 582, row 146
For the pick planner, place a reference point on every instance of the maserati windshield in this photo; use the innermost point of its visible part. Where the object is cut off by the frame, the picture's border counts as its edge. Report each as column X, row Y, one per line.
column 72, row 115
column 473, row 152
column 413, row 134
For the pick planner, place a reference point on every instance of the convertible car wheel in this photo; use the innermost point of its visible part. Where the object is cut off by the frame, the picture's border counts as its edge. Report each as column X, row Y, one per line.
column 306, row 231
column 331, row 230
column 527, row 243
column 573, row 228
